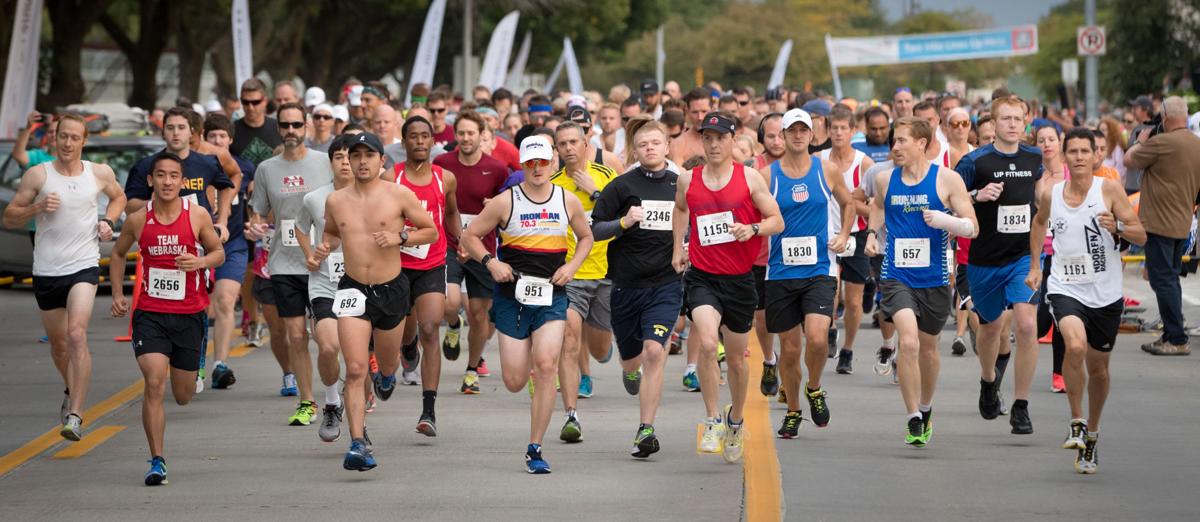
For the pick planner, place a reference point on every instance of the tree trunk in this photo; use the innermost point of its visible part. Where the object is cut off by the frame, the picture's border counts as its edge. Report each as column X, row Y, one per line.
column 198, row 27
column 222, row 64
column 71, row 20
column 8, row 11
column 143, row 55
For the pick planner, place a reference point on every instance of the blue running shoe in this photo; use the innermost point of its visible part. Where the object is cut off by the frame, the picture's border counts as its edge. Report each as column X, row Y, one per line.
column 222, row 377
column 359, row 458
column 585, row 386
column 384, row 385
column 691, row 382
column 534, row 463
column 158, row 472
column 289, row 388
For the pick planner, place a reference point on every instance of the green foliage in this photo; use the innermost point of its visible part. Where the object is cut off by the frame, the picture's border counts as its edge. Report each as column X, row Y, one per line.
column 1147, row 41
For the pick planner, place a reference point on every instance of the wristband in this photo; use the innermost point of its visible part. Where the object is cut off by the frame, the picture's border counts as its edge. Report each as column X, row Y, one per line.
column 484, row 260
column 112, row 226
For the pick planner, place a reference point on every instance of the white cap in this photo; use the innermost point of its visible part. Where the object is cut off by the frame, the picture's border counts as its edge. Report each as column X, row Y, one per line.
column 795, row 116
column 213, row 106
column 1194, row 123
column 355, row 96
column 323, row 107
column 341, row 113
column 536, row 147
column 577, row 100
column 314, row 96
column 198, row 108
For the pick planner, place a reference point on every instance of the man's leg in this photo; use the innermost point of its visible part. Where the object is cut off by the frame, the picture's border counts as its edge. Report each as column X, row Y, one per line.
column 477, row 337
column 790, row 372
column 327, row 354
column 454, row 303
column 852, row 318
column 354, row 335
column 55, row 323
column 154, row 372
column 908, row 359
column 814, row 330
column 1075, row 338
column 79, row 370
column 298, row 356
column 1098, row 383
column 279, row 344
column 737, row 373
column 653, row 361
column 766, row 341
column 1025, row 319
column 224, row 297
column 1163, row 265
column 515, row 359
column 704, row 337
column 544, row 354
column 568, row 371
column 429, row 313
column 931, row 365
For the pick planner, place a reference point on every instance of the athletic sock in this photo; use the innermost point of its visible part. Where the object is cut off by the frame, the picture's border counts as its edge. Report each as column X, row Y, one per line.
column 770, row 362
column 473, row 369
column 218, row 363
column 1002, row 362
column 890, row 342
column 428, row 397
column 925, row 408
column 332, row 397
column 915, row 415
column 691, row 368
column 643, row 426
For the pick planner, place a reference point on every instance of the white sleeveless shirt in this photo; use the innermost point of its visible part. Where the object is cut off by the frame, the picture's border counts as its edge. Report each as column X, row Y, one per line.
column 1086, row 264
column 66, row 240
column 853, row 175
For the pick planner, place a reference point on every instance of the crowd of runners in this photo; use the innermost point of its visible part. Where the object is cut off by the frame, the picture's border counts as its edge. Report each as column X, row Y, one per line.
column 579, row 229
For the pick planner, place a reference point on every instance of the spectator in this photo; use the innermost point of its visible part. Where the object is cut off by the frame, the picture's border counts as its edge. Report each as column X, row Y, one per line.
column 1115, row 143
column 1170, row 185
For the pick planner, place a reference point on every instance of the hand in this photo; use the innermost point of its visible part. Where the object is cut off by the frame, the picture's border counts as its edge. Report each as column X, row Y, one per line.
column 741, row 232
column 838, row 243
column 322, row 252
column 104, row 231
column 312, row 263
column 386, row 239
column 188, row 263
column 1107, row 221
column 679, row 260
column 583, row 181
column 1144, row 135
column 119, row 305
column 50, row 204
column 462, row 253
column 34, row 118
column 871, row 249
column 562, row 276
column 989, row 193
column 1034, row 279
column 501, row 272
column 633, row 216
column 256, row 232
column 222, row 232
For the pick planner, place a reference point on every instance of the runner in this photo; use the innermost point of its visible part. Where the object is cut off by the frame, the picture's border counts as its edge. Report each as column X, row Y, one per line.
column 770, row 136
column 941, row 153
column 802, row 273
column 480, row 177
column 875, row 144
column 169, row 320
column 1085, row 283
column 372, row 296
column 255, row 135
column 913, row 203
column 530, row 309
column 62, row 196
column 634, row 211
column 690, row 144
column 425, row 265
column 324, row 275
column 725, row 225
column 1003, row 177
column 279, row 189
column 590, row 292
column 855, row 268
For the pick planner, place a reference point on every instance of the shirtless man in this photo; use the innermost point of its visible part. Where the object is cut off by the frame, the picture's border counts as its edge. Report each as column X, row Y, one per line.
column 690, row 144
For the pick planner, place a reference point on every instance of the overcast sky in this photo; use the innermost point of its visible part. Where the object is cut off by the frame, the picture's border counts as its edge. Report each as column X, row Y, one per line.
column 1006, row 12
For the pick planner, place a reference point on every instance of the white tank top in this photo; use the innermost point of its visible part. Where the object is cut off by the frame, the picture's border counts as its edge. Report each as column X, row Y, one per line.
column 66, row 240
column 1086, row 264
column 853, row 176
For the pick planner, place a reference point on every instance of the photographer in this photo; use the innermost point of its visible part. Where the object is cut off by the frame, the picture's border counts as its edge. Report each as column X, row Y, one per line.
column 32, row 157
column 1170, row 157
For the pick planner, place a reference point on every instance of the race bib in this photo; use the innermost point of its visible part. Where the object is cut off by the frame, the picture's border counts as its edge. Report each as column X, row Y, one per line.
column 166, row 284
column 288, row 229
column 657, row 215
column 466, row 219
column 851, row 245
column 349, row 302
column 418, row 252
column 337, row 266
column 534, row 291
column 1074, row 270
column 714, row 229
column 1012, row 219
column 911, row 253
column 799, row 250
column 267, row 239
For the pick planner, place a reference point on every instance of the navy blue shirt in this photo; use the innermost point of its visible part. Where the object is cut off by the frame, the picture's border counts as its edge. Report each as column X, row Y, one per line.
column 877, row 153
column 237, row 211
column 200, row 171
column 1019, row 172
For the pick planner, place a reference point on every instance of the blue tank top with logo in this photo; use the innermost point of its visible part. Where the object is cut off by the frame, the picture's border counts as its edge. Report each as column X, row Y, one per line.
column 916, row 253
column 801, row 251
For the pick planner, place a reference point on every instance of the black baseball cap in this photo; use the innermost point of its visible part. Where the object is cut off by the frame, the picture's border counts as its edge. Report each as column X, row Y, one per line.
column 715, row 122
column 580, row 115
column 649, row 86
column 1142, row 101
column 370, row 140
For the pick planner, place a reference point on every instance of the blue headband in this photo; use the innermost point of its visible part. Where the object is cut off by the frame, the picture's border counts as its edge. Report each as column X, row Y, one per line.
column 541, row 108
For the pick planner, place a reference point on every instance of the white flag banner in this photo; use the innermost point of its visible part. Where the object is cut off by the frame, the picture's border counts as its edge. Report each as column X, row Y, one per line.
column 660, row 57
column 516, row 75
column 933, row 47
column 553, row 79
column 781, row 63
column 427, row 49
column 574, row 80
column 243, row 42
column 20, row 78
column 495, row 62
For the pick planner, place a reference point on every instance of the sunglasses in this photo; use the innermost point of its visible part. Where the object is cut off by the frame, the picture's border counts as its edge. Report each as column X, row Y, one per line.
column 743, row 102
column 438, row 111
column 322, row 117
column 962, row 124
column 253, row 102
column 536, row 163
column 291, row 125
column 903, row 89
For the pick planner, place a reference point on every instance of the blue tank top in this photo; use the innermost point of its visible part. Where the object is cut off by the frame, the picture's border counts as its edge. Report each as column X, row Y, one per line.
column 916, row 253
column 801, row 251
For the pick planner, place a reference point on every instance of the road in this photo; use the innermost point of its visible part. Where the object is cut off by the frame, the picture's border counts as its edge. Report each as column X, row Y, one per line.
column 231, row 455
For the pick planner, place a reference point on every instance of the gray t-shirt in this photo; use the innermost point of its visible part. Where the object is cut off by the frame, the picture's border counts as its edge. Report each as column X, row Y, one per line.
column 312, row 216
column 868, row 186
column 321, row 147
column 280, row 186
column 395, row 153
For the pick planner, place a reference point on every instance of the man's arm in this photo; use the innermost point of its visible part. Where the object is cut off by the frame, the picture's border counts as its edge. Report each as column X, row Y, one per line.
column 214, row 253
column 1144, row 151
column 116, row 199
column 331, row 238
column 19, row 154
column 472, row 239
column 304, row 223
column 452, row 221
column 116, row 270
column 1132, row 229
column 23, row 207
column 772, row 220
column 426, row 232
column 1037, row 237
column 876, row 219
column 680, row 221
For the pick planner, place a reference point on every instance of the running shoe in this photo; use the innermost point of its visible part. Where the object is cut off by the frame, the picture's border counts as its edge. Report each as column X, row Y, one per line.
column 916, row 432
column 426, row 425
column 769, row 384
column 632, row 381
column 289, row 388
column 370, row 402
column 158, row 472
column 45, row 339
column 571, row 430
column 816, row 403
column 959, row 347
column 384, row 385
column 199, row 383
column 331, row 422
column 714, row 434
column 360, row 457
column 927, row 418
column 645, row 443
column 720, row 351
column 791, row 425
column 534, row 463
column 372, row 364
column 410, row 378
column 1088, row 460
column 222, row 377
column 674, row 346
column 1019, row 419
column 1057, row 384
column 989, row 403
column 585, row 386
column 470, row 383
column 782, row 397
column 1003, row 403
column 483, row 370
column 733, row 443
column 833, row 340
column 304, row 414
column 1076, row 437
column 883, row 361
column 65, row 408
column 691, row 382
column 450, row 342
column 72, row 427
column 845, row 365
column 410, row 357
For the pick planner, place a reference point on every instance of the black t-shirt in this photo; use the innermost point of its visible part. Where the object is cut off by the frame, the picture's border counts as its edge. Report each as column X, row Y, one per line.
column 255, row 144
column 815, row 148
column 237, row 210
column 637, row 258
column 1020, row 173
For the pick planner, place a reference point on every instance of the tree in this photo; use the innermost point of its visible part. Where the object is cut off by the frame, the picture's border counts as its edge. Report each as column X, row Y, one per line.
column 1150, row 42
column 153, row 22
column 70, row 21
column 8, row 11
column 198, row 26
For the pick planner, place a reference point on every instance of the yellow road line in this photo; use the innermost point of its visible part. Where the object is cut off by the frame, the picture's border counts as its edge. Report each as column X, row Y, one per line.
column 764, row 488
column 89, row 442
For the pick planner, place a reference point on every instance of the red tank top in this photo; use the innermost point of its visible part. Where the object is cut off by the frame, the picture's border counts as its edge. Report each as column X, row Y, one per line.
column 721, row 256
column 433, row 200
column 166, row 289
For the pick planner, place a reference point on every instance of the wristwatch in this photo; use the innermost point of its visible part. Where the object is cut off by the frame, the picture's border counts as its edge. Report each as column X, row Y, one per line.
column 1120, row 227
column 484, row 260
column 755, row 228
column 595, row 195
column 403, row 237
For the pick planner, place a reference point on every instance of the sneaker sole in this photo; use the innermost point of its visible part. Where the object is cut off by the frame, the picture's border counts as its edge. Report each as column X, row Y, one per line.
column 69, row 435
column 643, row 450
column 427, row 429
column 156, row 480
column 470, row 392
column 357, row 464
column 1070, row 445
column 537, row 471
column 334, row 439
